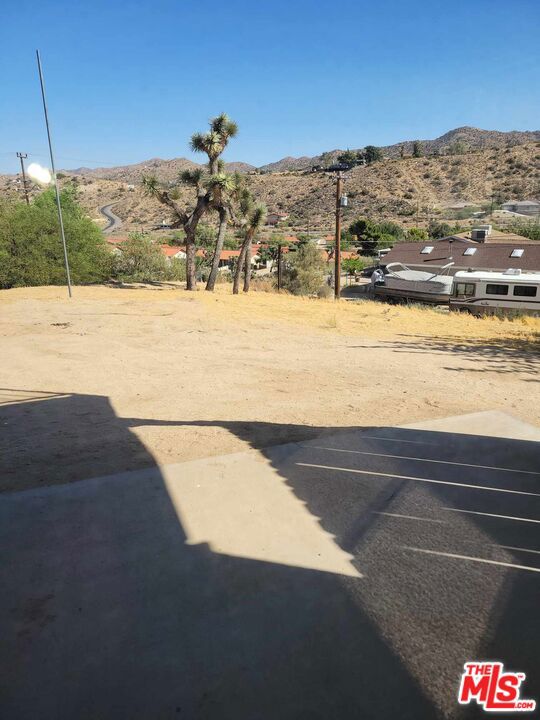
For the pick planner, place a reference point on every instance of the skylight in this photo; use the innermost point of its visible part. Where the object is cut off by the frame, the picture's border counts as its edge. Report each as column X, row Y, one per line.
column 470, row 251
column 517, row 252
column 427, row 250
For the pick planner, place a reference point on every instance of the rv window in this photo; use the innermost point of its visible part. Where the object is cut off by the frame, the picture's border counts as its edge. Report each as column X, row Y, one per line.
column 525, row 290
column 493, row 289
column 465, row 289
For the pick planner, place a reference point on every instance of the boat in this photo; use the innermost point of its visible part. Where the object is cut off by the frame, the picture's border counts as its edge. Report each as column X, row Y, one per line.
column 400, row 283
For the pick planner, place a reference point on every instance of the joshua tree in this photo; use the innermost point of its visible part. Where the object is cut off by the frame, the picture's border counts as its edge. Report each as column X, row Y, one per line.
column 255, row 217
column 214, row 142
column 225, row 190
column 188, row 220
column 210, row 189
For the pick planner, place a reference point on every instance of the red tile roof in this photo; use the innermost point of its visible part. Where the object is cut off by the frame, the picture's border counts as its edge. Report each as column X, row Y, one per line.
column 171, row 250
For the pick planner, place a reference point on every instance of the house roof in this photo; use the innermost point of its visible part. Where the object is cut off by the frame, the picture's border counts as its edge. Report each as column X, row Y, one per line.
column 172, row 250
column 495, row 236
column 228, row 254
column 487, row 256
column 523, row 203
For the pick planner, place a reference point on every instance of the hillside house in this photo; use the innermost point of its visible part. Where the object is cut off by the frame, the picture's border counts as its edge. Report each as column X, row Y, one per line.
column 172, row 251
column 522, row 207
column 228, row 257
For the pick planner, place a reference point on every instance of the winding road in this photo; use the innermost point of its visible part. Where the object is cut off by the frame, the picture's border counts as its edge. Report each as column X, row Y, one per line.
column 114, row 220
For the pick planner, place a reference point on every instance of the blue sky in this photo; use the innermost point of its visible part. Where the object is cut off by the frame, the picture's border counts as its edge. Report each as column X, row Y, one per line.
column 132, row 80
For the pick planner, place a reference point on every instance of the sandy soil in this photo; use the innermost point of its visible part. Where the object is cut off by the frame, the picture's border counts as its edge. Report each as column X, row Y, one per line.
column 121, row 378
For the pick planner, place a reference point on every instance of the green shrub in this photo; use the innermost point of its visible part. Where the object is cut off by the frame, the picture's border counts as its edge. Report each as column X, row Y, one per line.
column 141, row 261
column 530, row 230
column 304, row 270
column 353, row 265
column 31, row 251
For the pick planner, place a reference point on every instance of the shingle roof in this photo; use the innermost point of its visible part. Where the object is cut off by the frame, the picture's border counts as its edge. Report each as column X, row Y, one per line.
column 496, row 256
column 494, row 237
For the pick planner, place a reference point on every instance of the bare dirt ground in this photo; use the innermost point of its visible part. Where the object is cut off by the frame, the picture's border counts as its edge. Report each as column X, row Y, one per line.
column 188, row 374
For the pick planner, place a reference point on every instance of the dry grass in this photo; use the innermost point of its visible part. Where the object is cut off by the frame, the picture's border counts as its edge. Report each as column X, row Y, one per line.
column 364, row 317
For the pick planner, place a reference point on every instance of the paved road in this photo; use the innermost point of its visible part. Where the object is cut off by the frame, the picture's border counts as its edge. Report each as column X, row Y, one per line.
column 114, row 221
column 345, row 577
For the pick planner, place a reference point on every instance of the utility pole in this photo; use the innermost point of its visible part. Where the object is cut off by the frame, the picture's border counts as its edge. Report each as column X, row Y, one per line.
column 337, row 249
column 58, row 205
column 22, row 157
column 279, row 268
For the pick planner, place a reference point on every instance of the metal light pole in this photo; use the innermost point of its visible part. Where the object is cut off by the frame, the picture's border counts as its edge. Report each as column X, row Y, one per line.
column 22, row 157
column 337, row 249
column 60, row 219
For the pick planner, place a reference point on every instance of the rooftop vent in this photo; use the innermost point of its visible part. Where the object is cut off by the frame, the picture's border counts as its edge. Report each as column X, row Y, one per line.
column 479, row 234
column 512, row 271
column 487, row 228
column 517, row 252
column 427, row 250
column 470, row 251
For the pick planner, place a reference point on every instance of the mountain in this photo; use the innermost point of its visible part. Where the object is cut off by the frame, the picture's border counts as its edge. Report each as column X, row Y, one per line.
column 292, row 163
column 407, row 190
column 469, row 137
column 164, row 170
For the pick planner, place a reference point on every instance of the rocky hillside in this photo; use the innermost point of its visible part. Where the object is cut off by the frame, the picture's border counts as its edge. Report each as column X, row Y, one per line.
column 164, row 170
column 407, row 190
column 469, row 138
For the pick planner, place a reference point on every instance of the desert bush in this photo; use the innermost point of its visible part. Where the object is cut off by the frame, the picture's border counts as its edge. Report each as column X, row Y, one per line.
column 416, row 234
column 438, row 229
column 353, row 265
column 142, row 261
column 264, row 284
column 530, row 230
column 304, row 270
column 325, row 292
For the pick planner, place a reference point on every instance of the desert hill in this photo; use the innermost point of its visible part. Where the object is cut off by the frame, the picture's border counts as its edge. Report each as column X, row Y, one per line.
column 406, row 190
column 469, row 138
column 490, row 165
column 164, row 170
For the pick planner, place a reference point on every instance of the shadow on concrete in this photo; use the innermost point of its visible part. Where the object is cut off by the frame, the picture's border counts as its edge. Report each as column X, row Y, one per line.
column 109, row 612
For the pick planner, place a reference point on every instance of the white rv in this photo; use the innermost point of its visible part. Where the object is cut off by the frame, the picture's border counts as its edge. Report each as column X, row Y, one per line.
column 481, row 292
